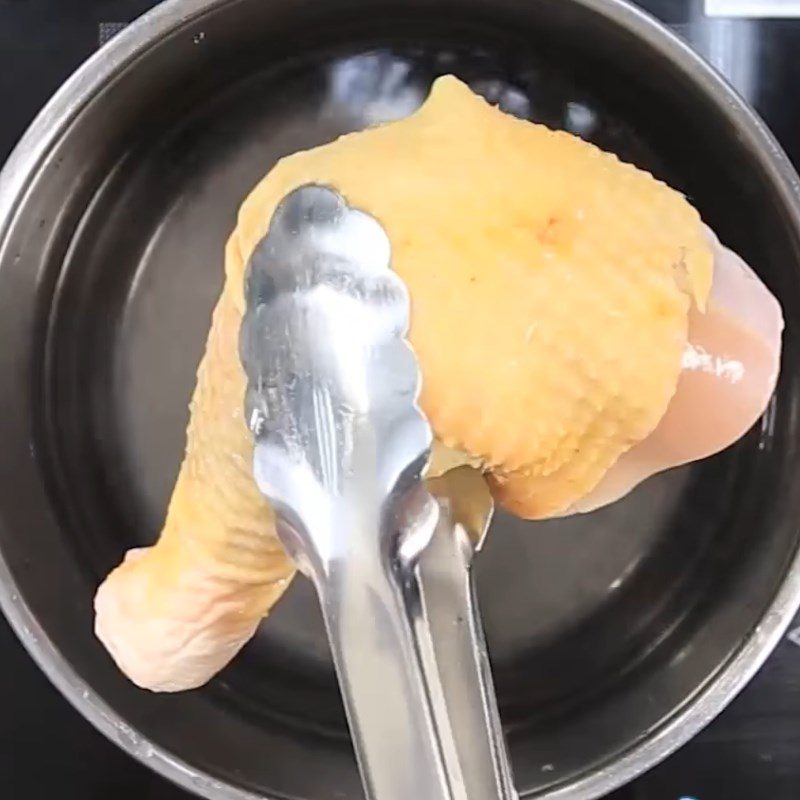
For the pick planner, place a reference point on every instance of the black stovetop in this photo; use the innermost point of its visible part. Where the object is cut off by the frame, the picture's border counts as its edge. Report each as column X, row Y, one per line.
column 48, row 750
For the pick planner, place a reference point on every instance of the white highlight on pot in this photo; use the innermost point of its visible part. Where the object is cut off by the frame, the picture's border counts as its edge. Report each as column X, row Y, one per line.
column 794, row 636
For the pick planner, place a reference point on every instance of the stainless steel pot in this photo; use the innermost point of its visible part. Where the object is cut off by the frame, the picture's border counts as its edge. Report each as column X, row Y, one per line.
column 614, row 637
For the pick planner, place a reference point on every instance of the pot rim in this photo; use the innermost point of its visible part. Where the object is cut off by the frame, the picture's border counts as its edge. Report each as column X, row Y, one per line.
column 15, row 177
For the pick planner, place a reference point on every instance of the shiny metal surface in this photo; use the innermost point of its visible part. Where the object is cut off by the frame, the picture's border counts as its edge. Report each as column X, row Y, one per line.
column 340, row 448
column 614, row 637
column 774, row 9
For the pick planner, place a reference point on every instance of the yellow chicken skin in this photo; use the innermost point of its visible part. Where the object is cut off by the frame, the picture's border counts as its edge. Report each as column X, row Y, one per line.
column 550, row 286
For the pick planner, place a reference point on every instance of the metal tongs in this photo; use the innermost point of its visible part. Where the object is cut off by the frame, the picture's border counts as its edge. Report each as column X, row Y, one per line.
column 340, row 450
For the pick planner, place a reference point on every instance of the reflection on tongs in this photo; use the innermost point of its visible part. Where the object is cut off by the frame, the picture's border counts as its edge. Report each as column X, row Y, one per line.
column 341, row 447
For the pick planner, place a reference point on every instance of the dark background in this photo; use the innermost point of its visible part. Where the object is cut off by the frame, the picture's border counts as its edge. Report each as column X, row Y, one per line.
column 47, row 750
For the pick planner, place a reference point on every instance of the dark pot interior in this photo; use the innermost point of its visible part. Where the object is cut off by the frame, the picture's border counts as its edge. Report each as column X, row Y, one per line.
column 605, row 629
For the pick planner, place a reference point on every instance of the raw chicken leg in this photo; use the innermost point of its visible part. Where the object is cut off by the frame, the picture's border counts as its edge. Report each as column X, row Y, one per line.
column 555, row 291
